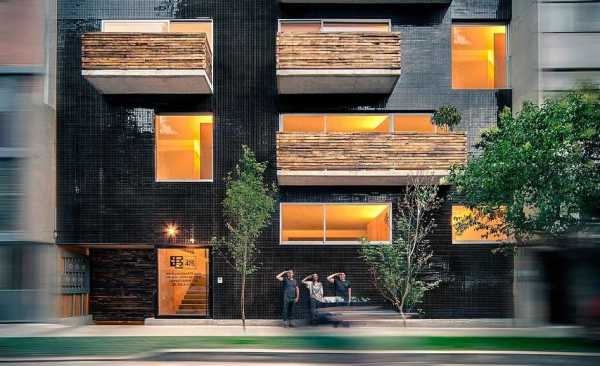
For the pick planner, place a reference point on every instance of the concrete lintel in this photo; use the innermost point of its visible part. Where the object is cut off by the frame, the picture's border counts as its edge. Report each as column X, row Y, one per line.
column 360, row 177
column 337, row 81
column 191, row 81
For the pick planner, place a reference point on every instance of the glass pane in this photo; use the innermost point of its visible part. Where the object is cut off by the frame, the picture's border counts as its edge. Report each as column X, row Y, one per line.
column 299, row 123
column 352, row 222
column 193, row 27
column 301, row 222
column 471, row 234
column 184, row 147
column 329, row 26
column 358, row 123
column 478, row 57
column 140, row 26
column 300, row 27
column 183, row 282
column 413, row 123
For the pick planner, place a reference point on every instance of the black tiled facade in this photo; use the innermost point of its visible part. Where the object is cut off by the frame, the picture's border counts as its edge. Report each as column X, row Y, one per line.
column 107, row 193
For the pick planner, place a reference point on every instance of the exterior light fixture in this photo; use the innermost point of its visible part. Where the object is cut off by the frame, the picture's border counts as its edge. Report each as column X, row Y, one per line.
column 171, row 230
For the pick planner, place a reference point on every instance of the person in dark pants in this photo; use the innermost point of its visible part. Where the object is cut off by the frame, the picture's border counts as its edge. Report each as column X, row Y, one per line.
column 342, row 286
column 315, row 288
column 291, row 295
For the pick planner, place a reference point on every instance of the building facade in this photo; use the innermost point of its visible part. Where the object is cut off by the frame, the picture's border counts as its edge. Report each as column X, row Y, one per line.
column 155, row 99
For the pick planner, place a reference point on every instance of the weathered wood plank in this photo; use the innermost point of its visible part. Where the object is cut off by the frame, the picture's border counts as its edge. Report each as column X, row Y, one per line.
column 377, row 151
column 338, row 50
column 145, row 51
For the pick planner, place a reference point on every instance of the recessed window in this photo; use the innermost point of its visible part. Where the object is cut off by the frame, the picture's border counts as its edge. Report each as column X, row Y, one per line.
column 161, row 26
column 351, row 122
column 11, row 194
column 332, row 223
column 471, row 235
column 337, row 25
column 479, row 57
column 184, row 147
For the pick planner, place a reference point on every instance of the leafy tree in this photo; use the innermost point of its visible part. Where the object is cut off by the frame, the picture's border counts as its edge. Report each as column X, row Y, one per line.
column 398, row 269
column 248, row 207
column 446, row 116
column 536, row 173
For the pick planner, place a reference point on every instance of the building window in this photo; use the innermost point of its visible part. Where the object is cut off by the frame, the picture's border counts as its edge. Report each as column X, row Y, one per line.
column 184, row 148
column 161, row 26
column 383, row 123
column 334, row 25
column 11, row 194
column 470, row 235
column 335, row 223
column 479, row 57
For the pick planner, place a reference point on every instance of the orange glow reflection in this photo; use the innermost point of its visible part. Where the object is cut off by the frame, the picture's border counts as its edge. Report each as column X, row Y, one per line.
column 478, row 57
column 471, row 234
column 183, row 148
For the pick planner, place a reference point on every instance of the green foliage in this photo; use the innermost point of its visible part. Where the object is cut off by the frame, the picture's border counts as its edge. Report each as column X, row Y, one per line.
column 537, row 172
column 446, row 116
column 398, row 270
column 248, row 207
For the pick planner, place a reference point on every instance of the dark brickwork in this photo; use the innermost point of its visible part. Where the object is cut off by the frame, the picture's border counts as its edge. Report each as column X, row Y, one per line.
column 123, row 284
column 107, row 192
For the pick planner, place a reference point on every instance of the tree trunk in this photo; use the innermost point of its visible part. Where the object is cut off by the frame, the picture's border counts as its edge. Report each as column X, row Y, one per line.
column 243, row 301
column 515, row 286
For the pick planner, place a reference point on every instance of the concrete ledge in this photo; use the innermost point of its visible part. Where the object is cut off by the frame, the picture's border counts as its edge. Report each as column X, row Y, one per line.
column 220, row 322
column 76, row 320
column 149, row 81
column 336, row 81
column 358, row 177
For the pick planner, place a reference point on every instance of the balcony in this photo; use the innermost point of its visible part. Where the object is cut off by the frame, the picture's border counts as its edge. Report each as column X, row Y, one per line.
column 147, row 63
column 337, row 62
column 347, row 159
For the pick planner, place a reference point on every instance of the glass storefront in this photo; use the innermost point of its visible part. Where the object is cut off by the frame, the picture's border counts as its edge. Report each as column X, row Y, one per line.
column 183, row 282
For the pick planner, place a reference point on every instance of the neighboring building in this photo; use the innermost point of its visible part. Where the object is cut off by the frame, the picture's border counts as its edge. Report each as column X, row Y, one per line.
column 555, row 48
column 156, row 98
column 27, row 161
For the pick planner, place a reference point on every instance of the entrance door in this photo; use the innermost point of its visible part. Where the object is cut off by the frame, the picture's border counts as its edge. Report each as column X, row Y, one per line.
column 183, row 282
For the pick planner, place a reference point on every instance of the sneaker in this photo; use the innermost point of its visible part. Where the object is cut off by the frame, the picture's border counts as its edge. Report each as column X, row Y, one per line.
column 291, row 325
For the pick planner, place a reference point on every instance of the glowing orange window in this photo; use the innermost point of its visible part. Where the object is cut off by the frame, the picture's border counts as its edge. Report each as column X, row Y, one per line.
column 317, row 223
column 303, row 123
column 415, row 123
column 470, row 235
column 184, row 147
column 358, row 123
column 478, row 56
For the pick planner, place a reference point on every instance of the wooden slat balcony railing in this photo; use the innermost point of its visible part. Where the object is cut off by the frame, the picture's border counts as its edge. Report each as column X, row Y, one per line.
column 170, row 57
column 373, row 158
column 338, row 50
column 337, row 62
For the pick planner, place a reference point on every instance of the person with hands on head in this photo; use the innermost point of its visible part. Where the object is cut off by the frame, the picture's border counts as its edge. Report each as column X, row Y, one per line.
column 342, row 286
column 315, row 288
column 291, row 295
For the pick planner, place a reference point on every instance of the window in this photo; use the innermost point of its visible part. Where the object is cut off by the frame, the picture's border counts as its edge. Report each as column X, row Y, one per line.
column 161, row 26
column 11, row 194
column 184, row 147
column 334, row 25
column 358, row 123
column 335, row 223
column 471, row 235
column 479, row 57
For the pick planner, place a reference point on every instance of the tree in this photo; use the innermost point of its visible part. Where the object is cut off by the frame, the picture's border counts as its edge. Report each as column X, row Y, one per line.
column 446, row 116
column 248, row 207
column 398, row 270
column 536, row 173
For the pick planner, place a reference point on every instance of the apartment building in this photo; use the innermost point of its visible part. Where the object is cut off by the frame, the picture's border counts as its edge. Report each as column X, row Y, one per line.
column 155, row 99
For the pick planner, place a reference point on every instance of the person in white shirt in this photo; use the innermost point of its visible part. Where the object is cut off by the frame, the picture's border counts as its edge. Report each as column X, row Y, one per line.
column 315, row 288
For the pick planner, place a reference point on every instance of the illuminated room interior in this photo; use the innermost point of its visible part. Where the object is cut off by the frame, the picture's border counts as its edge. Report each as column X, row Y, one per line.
column 358, row 123
column 478, row 57
column 470, row 235
column 184, row 147
column 331, row 223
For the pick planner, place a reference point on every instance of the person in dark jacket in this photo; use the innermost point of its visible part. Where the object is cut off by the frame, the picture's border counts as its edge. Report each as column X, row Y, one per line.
column 291, row 295
column 342, row 286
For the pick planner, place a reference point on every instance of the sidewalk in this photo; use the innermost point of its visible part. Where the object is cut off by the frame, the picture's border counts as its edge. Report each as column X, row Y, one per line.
column 415, row 328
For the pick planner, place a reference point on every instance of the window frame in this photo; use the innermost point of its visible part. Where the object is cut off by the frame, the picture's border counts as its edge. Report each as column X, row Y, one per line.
column 212, row 160
column 324, row 241
column 506, row 50
column 391, row 115
column 322, row 21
